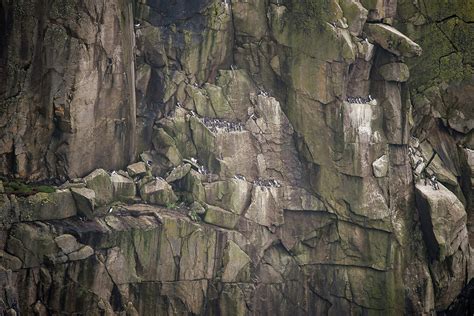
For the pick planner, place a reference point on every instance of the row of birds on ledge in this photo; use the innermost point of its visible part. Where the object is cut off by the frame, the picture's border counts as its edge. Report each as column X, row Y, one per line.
column 360, row 100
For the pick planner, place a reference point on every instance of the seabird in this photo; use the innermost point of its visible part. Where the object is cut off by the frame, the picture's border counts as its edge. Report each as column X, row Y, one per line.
column 114, row 173
column 149, row 162
column 110, row 210
column 178, row 104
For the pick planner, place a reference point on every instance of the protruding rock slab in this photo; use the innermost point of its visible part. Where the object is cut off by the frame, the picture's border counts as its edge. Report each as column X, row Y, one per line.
column 99, row 181
column 395, row 72
column 85, row 201
column 232, row 195
column 81, row 254
column 46, row 206
column 158, row 191
column 67, row 243
column 123, row 187
column 380, row 167
column 219, row 217
column 9, row 262
column 392, row 40
column 137, row 169
column 236, row 264
column 443, row 220
column 178, row 173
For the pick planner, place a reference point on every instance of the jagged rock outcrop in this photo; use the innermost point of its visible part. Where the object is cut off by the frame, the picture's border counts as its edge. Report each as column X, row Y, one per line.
column 273, row 161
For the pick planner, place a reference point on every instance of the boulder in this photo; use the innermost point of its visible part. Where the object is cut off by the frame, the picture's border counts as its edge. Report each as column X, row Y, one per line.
column 443, row 220
column 197, row 208
column 158, row 191
column 355, row 14
column 395, row 72
column 99, row 181
column 47, row 206
column 392, row 40
column 67, row 243
column 178, row 173
column 137, row 169
column 8, row 261
column 219, row 217
column 380, row 167
column 81, row 254
column 123, row 187
column 85, row 201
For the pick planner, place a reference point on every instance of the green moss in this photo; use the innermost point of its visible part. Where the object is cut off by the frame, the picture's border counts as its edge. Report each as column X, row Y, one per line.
column 309, row 14
column 19, row 188
column 171, row 206
column 45, row 189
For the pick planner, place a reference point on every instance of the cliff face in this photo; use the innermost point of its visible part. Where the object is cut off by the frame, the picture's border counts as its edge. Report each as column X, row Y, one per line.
column 68, row 98
column 285, row 153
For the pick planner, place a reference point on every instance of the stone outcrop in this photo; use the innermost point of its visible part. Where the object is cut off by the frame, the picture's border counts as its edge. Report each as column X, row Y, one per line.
column 278, row 157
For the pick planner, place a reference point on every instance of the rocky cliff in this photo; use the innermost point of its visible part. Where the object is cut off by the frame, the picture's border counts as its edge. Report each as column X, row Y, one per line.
column 263, row 157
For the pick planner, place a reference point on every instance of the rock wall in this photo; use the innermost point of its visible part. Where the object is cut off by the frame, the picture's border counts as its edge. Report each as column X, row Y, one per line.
column 68, row 98
column 285, row 158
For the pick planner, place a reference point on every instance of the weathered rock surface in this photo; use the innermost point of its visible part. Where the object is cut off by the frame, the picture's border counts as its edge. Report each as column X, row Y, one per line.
column 42, row 206
column 157, row 191
column 137, row 169
column 443, row 222
column 123, row 187
column 392, row 40
column 85, row 201
column 395, row 72
column 278, row 172
column 99, row 181
column 72, row 82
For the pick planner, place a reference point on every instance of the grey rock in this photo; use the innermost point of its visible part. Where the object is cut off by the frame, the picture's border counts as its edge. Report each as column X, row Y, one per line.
column 81, row 254
column 219, row 217
column 137, row 169
column 197, row 208
column 123, row 187
column 9, row 262
column 392, row 40
column 380, row 167
column 67, row 243
column 99, row 181
column 158, row 191
column 85, row 201
column 47, row 206
column 178, row 173
column 395, row 72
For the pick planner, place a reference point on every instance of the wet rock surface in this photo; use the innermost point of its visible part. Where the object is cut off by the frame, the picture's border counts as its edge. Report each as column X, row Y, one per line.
column 278, row 159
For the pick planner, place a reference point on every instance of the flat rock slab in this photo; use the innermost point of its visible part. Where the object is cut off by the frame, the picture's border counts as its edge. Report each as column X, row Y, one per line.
column 47, row 206
column 392, row 40
column 219, row 217
column 443, row 220
column 137, row 169
column 85, row 201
